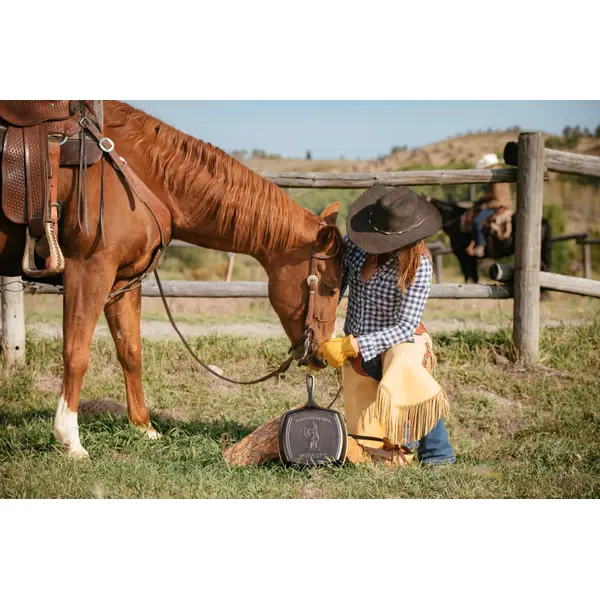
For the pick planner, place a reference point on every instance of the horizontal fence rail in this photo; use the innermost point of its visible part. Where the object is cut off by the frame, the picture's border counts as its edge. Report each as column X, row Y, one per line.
column 258, row 289
column 569, row 236
column 558, row 161
column 392, row 178
column 550, row 281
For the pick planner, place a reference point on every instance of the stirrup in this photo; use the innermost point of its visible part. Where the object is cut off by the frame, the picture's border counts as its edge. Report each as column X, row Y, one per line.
column 54, row 265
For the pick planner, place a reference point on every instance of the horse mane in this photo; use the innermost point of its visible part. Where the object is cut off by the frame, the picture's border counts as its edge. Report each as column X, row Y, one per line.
column 238, row 201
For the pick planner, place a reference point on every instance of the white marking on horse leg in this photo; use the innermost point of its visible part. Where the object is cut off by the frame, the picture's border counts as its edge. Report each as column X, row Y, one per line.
column 66, row 430
column 149, row 431
column 153, row 434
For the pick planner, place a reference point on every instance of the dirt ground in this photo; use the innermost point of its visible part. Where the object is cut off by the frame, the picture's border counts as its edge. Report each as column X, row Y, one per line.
column 256, row 318
column 158, row 330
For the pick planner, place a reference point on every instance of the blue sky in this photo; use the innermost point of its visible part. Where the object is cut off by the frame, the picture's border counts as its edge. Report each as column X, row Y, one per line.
column 365, row 129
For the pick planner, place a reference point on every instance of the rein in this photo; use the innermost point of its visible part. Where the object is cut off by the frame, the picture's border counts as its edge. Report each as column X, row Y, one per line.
column 281, row 369
column 307, row 339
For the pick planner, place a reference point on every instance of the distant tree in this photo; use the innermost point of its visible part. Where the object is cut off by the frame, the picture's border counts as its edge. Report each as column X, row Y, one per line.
column 567, row 132
column 587, row 132
column 258, row 153
column 598, row 131
column 308, row 155
column 398, row 149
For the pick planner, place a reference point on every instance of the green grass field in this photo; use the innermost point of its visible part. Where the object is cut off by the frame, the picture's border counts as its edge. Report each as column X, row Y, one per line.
column 517, row 433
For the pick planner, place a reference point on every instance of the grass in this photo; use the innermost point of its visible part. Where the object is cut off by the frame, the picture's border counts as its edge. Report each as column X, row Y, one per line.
column 516, row 433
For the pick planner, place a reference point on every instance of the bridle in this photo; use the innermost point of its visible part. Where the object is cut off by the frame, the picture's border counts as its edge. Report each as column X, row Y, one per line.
column 308, row 339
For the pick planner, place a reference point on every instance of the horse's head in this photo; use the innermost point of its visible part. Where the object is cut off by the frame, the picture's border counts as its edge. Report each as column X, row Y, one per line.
column 304, row 287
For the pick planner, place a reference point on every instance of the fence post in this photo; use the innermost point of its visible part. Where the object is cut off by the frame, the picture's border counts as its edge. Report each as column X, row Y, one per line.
column 530, row 180
column 587, row 260
column 13, row 321
column 472, row 193
column 230, row 259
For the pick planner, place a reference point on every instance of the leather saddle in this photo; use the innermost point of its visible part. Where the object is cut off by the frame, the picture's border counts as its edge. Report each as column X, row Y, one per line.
column 36, row 138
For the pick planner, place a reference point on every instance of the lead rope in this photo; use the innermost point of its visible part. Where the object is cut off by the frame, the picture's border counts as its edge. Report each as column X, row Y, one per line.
column 336, row 397
column 282, row 368
column 339, row 377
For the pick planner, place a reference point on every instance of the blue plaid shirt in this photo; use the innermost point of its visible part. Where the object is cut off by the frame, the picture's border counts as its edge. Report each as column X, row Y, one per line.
column 379, row 315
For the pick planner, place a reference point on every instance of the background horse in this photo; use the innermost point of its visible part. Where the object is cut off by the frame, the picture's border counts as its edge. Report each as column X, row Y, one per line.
column 495, row 248
column 214, row 202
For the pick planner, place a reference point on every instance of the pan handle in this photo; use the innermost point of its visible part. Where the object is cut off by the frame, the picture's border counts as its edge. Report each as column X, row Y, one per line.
column 310, row 386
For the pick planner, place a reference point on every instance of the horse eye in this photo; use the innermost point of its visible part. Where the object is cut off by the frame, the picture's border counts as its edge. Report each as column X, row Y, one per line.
column 329, row 290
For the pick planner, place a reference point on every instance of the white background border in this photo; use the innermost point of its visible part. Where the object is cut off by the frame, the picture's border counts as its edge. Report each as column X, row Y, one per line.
column 300, row 50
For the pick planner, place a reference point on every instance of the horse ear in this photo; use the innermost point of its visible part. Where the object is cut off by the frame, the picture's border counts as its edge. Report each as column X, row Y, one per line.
column 329, row 215
column 326, row 237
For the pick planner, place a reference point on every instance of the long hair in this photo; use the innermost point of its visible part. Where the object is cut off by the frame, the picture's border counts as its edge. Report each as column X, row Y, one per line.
column 409, row 260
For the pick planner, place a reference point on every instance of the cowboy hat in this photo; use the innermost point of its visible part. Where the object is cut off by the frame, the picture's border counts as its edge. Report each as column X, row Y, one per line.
column 488, row 160
column 383, row 219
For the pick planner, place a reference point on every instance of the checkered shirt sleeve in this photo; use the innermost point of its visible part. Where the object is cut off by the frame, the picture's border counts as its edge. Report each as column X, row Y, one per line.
column 406, row 309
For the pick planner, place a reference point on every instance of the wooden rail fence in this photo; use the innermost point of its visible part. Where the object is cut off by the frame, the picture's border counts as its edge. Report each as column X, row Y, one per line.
column 532, row 161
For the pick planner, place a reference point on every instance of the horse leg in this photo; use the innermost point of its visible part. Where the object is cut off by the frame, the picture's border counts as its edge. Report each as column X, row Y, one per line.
column 473, row 268
column 123, row 317
column 86, row 287
column 468, row 264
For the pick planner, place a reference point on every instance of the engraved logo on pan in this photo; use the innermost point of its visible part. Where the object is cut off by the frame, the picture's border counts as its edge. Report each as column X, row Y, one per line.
column 311, row 434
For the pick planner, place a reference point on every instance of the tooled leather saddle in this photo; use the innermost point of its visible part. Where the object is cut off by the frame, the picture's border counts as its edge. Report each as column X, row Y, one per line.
column 36, row 138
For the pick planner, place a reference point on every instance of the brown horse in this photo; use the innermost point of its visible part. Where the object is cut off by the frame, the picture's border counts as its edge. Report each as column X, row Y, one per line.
column 214, row 202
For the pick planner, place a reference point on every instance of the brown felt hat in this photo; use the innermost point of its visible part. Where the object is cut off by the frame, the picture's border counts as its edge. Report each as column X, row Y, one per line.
column 383, row 219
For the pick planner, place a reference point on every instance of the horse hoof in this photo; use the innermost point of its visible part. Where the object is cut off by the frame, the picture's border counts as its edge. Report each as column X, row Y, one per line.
column 153, row 434
column 78, row 453
column 148, row 431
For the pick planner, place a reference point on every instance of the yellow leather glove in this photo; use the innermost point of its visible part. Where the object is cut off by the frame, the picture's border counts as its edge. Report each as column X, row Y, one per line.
column 337, row 350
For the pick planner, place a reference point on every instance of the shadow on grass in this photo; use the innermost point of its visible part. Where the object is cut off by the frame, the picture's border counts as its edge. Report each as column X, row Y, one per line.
column 222, row 431
column 110, row 418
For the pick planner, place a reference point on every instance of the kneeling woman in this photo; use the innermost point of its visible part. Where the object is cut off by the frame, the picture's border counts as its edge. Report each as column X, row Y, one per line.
column 393, row 404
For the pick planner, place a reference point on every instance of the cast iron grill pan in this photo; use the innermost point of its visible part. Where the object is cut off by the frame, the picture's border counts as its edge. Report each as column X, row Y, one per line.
column 311, row 435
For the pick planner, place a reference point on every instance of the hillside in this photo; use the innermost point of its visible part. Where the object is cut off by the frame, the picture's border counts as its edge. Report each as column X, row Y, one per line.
column 461, row 150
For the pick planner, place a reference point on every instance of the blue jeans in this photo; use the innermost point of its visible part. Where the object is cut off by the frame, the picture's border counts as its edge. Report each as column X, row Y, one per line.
column 478, row 225
column 433, row 448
